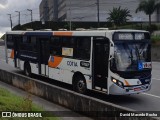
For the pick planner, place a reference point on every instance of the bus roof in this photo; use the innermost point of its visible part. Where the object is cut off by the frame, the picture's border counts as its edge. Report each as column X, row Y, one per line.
column 73, row 33
column 59, row 33
column 128, row 30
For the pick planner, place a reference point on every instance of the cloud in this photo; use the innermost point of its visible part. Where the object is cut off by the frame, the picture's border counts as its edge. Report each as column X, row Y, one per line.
column 3, row 2
column 10, row 6
column 3, row 31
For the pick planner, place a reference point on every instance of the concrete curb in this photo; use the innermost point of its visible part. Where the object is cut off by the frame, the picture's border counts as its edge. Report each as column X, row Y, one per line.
column 86, row 105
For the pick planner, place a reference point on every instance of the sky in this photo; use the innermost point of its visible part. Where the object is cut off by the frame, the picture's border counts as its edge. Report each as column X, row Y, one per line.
column 10, row 6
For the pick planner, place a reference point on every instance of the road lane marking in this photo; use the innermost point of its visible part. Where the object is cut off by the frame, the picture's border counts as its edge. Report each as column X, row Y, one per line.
column 151, row 95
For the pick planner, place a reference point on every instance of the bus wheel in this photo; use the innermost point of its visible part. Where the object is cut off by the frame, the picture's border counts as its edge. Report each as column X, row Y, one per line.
column 27, row 70
column 80, row 85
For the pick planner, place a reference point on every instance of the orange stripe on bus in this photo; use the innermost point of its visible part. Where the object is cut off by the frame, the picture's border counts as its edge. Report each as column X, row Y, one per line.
column 127, row 84
column 55, row 63
column 63, row 33
column 12, row 54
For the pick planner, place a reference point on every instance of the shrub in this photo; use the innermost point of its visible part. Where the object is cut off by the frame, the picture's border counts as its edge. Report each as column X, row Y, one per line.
column 152, row 28
column 155, row 39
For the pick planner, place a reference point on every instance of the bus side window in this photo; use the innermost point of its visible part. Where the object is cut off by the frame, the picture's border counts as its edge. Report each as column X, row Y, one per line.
column 17, row 39
column 25, row 40
column 68, row 45
column 10, row 42
column 68, row 42
column 55, row 46
column 29, row 43
column 83, row 48
column 33, row 43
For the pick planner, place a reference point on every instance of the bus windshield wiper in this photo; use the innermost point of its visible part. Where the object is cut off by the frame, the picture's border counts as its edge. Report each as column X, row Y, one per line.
column 137, row 53
column 131, row 56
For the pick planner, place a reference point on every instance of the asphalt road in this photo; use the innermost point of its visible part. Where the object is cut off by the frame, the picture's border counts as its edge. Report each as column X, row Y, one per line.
column 149, row 101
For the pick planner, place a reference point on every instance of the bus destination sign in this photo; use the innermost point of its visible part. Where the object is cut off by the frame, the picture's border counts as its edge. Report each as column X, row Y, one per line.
column 130, row 36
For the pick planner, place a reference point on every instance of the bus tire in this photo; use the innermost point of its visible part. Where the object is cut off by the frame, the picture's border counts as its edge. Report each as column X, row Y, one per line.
column 79, row 85
column 27, row 70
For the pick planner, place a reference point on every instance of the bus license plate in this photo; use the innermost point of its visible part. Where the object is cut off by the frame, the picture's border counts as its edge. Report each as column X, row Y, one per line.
column 137, row 89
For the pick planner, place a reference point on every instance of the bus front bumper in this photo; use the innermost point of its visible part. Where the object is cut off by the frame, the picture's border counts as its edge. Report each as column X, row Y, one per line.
column 127, row 90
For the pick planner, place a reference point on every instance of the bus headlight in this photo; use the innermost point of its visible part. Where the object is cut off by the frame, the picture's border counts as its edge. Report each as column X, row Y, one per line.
column 117, row 82
column 114, row 80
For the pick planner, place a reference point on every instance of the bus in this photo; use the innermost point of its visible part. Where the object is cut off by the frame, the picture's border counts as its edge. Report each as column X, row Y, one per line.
column 116, row 62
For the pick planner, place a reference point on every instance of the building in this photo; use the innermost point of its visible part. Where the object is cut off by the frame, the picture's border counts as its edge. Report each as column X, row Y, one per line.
column 48, row 10
column 86, row 10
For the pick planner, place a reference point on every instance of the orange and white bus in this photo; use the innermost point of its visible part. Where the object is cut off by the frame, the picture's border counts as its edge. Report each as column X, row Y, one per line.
column 110, row 61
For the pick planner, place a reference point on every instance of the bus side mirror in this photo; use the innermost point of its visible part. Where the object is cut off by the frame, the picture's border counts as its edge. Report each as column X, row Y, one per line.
column 112, row 50
column 111, row 57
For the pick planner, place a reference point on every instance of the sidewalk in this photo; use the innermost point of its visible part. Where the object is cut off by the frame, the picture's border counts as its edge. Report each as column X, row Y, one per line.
column 47, row 106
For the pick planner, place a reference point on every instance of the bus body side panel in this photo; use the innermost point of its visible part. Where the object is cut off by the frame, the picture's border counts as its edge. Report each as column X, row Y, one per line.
column 53, row 70
column 71, row 66
column 63, row 69
column 10, row 56
column 21, row 64
column 54, row 73
column 34, row 68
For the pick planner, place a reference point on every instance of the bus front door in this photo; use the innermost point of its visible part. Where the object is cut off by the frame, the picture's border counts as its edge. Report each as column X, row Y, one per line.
column 100, row 63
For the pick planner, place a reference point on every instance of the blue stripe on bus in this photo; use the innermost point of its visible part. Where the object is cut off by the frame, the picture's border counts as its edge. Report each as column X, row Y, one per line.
column 39, row 33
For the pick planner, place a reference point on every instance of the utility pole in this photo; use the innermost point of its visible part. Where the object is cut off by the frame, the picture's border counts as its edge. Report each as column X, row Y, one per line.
column 10, row 16
column 98, row 12
column 31, row 14
column 19, row 17
column 70, row 21
column 31, row 17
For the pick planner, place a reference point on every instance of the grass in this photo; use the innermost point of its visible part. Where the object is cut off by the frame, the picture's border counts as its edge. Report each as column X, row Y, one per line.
column 10, row 102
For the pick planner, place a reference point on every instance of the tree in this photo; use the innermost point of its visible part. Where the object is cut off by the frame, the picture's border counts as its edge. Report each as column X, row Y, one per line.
column 119, row 16
column 148, row 7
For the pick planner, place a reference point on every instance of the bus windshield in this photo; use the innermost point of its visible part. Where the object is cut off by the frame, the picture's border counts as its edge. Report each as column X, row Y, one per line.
column 131, row 56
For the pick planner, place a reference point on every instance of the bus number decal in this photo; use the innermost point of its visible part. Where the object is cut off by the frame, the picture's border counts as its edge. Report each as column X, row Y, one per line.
column 71, row 63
